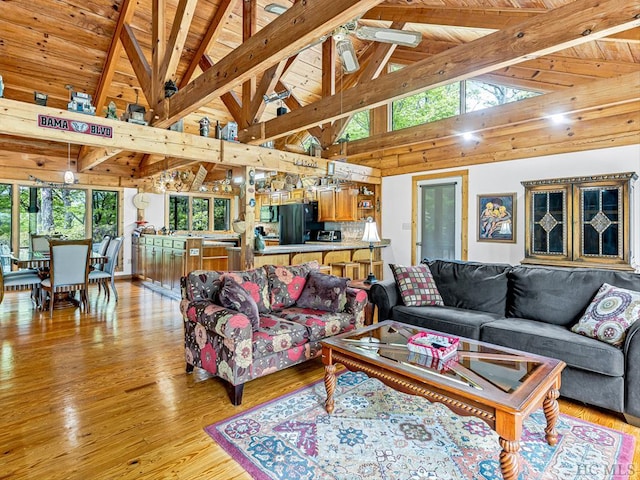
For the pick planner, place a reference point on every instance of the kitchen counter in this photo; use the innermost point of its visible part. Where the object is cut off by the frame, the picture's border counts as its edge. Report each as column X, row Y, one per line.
column 324, row 253
column 314, row 247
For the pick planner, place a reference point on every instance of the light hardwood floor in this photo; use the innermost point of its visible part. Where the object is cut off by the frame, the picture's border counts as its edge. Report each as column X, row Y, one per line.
column 105, row 395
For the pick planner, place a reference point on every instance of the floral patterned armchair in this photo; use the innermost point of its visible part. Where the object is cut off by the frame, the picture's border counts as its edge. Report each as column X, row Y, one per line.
column 243, row 325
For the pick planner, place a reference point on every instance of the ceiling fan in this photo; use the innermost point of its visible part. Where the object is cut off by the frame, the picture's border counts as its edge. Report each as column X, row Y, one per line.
column 341, row 36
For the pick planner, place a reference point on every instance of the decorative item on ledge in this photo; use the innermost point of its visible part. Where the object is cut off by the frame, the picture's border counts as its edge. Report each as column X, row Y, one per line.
column 370, row 235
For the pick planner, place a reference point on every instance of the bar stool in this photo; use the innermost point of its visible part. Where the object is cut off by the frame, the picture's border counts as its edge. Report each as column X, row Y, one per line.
column 325, row 269
column 346, row 269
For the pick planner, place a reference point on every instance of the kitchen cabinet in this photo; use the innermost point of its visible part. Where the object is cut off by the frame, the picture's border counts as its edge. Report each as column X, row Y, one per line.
column 338, row 205
column 262, row 200
column 164, row 260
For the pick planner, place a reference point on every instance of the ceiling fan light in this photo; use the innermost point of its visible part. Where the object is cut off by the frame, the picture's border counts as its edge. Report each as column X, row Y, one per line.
column 389, row 35
column 348, row 55
column 275, row 8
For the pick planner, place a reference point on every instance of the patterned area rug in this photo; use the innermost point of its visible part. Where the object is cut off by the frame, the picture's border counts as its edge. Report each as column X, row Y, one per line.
column 378, row 433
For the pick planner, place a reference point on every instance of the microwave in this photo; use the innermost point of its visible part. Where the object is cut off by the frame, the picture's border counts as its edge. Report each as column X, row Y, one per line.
column 269, row 213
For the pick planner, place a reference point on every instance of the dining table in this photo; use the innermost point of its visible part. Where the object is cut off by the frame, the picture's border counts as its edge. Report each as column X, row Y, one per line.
column 28, row 259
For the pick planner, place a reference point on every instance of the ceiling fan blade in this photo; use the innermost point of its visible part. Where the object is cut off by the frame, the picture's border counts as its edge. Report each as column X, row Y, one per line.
column 389, row 35
column 348, row 55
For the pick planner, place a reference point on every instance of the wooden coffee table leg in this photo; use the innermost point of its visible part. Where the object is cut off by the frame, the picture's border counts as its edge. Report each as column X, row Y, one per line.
column 509, row 462
column 551, row 412
column 330, row 386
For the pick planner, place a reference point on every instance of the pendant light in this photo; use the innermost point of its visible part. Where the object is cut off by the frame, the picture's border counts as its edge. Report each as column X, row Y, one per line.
column 69, row 177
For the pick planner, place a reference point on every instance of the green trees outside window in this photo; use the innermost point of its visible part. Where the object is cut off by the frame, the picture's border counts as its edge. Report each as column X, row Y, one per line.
column 104, row 214
column 178, row 212
column 200, row 209
column 221, row 214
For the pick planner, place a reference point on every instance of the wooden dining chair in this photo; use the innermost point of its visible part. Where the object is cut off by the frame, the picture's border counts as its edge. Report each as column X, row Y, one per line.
column 20, row 280
column 101, row 277
column 40, row 243
column 68, row 271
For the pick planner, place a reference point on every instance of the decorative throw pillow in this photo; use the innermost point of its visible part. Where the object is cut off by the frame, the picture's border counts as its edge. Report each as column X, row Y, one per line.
column 233, row 296
column 256, row 283
column 286, row 283
column 324, row 292
column 610, row 314
column 417, row 286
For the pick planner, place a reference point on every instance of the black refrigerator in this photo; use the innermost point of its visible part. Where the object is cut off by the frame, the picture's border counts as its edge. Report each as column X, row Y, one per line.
column 296, row 220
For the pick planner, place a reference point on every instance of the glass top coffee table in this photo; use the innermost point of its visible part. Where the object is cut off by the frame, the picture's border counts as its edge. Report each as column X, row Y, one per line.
column 501, row 386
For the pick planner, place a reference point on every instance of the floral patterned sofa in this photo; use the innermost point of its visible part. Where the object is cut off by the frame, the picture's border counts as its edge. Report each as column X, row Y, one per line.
column 243, row 325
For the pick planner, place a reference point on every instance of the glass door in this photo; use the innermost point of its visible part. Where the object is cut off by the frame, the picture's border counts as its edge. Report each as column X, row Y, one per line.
column 439, row 219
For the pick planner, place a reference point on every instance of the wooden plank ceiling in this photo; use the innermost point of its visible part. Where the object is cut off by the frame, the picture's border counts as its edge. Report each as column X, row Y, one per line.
column 225, row 55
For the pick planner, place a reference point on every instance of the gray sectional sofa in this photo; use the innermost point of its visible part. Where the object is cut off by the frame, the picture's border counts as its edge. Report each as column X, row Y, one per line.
column 532, row 308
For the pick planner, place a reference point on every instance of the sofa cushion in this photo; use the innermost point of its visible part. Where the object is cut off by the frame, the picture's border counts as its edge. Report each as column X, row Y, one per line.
column 286, row 283
column 611, row 312
column 202, row 285
column 559, row 295
column 232, row 295
column 324, row 292
column 452, row 320
column 256, row 283
column 277, row 334
column 470, row 285
column 555, row 341
column 416, row 285
column 319, row 323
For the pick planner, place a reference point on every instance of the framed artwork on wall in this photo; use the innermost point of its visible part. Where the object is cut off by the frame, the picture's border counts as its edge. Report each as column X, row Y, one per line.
column 496, row 217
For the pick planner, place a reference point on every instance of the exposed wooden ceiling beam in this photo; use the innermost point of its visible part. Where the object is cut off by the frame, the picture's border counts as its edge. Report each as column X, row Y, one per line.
column 290, row 32
column 210, row 36
column 575, row 23
column 267, row 84
column 158, row 49
column 127, row 9
column 596, row 94
column 138, row 61
column 249, row 28
column 177, row 39
column 488, row 18
column 230, row 99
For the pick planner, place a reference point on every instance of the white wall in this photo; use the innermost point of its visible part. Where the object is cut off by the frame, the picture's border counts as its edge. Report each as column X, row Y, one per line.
column 154, row 214
column 502, row 177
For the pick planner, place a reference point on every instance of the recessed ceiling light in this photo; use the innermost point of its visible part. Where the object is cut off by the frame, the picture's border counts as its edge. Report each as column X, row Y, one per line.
column 558, row 118
column 468, row 136
column 275, row 8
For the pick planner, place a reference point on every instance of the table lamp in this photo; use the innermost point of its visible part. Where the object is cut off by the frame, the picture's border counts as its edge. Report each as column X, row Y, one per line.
column 370, row 235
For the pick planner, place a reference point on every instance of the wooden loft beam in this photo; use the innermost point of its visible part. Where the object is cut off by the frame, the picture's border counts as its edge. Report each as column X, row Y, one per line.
column 593, row 95
column 211, row 35
column 22, row 121
column 163, row 165
column 561, row 28
column 487, row 18
column 177, row 39
column 267, row 84
column 290, row 32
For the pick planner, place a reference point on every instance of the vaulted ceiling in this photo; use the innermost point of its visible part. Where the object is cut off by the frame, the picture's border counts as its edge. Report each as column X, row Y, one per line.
column 225, row 55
